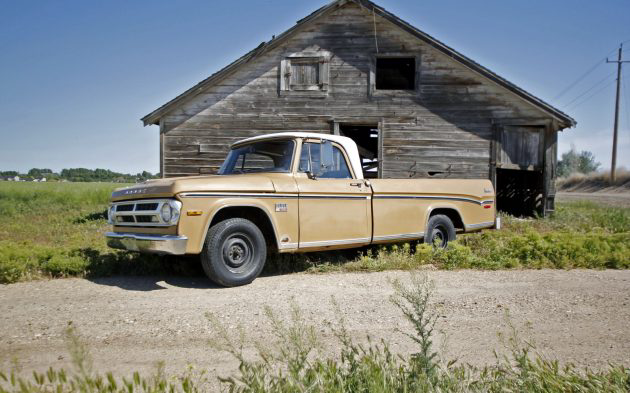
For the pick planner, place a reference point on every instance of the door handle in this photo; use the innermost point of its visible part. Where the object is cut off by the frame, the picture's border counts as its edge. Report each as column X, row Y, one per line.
column 356, row 184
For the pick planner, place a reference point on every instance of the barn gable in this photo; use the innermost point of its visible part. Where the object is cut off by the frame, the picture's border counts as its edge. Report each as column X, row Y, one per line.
column 416, row 107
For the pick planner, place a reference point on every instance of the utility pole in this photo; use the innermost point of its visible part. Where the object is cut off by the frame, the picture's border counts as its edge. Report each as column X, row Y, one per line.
column 617, row 99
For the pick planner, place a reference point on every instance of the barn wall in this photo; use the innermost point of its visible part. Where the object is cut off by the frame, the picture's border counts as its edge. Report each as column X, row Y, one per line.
column 445, row 127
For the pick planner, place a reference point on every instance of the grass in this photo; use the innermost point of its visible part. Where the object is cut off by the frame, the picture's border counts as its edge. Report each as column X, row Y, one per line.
column 56, row 230
column 596, row 181
column 289, row 361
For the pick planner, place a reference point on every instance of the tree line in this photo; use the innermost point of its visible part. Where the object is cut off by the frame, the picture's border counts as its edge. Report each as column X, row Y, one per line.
column 80, row 175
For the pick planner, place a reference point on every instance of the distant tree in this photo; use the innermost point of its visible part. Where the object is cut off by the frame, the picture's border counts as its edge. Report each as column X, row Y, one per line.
column 577, row 162
column 39, row 172
column 82, row 175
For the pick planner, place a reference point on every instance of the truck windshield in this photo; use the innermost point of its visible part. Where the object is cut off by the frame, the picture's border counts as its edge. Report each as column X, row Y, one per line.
column 264, row 156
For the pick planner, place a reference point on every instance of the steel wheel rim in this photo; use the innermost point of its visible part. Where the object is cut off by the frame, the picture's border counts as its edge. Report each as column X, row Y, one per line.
column 439, row 237
column 238, row 252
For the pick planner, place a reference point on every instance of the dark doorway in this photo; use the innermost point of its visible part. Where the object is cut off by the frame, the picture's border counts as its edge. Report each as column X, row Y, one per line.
column 520, row 193
column 366, row 137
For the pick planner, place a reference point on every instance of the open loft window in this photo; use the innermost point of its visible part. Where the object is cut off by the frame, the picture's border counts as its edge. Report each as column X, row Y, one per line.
column 395, row 73
column 304, row 74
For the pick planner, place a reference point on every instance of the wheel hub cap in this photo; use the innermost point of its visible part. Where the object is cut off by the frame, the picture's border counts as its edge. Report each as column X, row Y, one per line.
column 237, row 252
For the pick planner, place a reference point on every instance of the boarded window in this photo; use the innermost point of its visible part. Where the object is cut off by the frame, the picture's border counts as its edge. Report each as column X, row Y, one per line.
column 396, row 73
column 520, row 147
column 308, row 74
column 304, row 74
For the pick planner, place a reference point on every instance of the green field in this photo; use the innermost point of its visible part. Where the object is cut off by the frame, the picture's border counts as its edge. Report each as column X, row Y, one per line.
column 56, row 230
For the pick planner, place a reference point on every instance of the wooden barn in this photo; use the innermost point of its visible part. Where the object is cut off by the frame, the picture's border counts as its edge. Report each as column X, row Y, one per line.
column 416, row 107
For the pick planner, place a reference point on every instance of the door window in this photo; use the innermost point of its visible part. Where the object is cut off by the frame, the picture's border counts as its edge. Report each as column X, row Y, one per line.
column 309, row 162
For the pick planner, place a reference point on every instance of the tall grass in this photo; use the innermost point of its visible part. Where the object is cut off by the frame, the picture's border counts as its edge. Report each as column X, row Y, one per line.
column 56, row 230
column 595, row 181
column 289, row 362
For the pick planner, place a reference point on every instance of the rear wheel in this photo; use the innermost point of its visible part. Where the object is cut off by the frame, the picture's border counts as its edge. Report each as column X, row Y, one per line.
column 440, row 231
column 234, row 252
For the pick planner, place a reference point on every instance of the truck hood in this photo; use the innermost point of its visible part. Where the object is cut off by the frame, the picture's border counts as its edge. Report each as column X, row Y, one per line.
column 166, row 188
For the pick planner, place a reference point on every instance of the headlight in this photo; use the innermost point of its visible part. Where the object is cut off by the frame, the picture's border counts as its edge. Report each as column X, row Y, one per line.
column 170, row 211
column 166, row 212
column 110, row 214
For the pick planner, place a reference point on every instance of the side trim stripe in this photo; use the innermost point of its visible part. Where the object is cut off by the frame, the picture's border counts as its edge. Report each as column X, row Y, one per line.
column 433, row 197
column 269, row 195
column 288, row 246
column 324, row 196
column 334, row 242
column 401, row 236
column 239, row 195
column 480, row 225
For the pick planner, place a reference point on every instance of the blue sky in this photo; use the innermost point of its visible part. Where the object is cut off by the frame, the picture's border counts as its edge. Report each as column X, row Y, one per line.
column 76, row 76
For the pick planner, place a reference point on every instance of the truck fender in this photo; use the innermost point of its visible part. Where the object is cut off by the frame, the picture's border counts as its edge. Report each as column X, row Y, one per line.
column 447, row 206
column 248, row 205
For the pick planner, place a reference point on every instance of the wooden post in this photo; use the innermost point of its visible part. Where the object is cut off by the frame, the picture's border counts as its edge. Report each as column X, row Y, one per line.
column 613, row 164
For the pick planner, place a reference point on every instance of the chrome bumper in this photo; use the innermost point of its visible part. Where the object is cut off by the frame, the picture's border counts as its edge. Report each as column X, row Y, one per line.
column 155, row 244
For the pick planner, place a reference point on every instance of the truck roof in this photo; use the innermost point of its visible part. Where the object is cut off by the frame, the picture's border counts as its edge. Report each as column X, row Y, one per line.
column 348, row 145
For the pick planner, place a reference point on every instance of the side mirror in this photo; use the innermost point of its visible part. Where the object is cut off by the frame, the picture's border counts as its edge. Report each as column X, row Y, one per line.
column 326, row 156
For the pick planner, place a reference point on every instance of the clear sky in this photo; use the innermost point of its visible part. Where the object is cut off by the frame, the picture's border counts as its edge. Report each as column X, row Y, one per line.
column 77, row 75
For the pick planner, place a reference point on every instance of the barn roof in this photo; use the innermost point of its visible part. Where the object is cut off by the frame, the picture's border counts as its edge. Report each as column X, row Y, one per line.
column 564, row 119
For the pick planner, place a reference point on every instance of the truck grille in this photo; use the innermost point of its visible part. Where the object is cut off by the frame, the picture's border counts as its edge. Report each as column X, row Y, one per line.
column 140, row 213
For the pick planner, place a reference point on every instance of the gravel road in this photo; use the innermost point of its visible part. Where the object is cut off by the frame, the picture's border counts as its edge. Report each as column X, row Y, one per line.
column 621, row 199
column 130, row 323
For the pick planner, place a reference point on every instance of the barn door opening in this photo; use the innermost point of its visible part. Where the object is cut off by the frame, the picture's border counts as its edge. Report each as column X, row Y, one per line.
column 366, row 136
column 519, row 170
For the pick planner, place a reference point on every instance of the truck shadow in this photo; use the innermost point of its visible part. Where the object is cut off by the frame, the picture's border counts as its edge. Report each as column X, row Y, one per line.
column 143, row 272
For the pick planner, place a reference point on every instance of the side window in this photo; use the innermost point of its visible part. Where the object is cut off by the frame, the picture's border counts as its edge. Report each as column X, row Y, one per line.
column 309, row 162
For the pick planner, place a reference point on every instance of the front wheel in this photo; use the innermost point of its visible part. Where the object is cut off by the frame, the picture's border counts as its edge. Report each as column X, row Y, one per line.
column 440, row 231
column 234, row 252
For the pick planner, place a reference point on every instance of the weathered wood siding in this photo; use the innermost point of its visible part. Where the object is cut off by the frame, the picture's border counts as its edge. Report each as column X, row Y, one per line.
column 445, row 126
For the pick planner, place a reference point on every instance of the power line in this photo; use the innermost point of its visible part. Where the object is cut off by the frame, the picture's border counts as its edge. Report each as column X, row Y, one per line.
column 587, row 73
column 596, row 92
column 589, row 89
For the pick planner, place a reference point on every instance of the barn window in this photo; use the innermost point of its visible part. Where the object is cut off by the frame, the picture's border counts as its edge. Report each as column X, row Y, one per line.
column 304, row 74
column 395, row 73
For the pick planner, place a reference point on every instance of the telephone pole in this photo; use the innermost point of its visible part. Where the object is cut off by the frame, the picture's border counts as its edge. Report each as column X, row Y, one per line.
column 617, row 99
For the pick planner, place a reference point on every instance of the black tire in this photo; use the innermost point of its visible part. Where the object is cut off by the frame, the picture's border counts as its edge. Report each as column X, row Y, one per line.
column 440, row 231
column 234, row 252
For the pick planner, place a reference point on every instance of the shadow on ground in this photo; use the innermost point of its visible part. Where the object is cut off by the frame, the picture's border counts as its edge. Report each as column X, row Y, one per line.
column 144, row 272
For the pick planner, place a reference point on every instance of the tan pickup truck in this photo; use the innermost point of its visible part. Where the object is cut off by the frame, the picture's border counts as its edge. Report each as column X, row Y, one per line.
column 290, row 192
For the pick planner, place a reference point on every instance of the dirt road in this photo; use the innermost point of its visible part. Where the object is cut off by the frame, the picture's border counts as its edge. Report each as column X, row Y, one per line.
column 621, row 199
column 131, row 323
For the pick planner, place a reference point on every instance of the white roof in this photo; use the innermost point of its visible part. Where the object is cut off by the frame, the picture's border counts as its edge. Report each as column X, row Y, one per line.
column 348, row 145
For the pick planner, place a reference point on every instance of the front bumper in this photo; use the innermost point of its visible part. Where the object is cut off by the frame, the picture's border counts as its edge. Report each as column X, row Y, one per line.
column 154, row 244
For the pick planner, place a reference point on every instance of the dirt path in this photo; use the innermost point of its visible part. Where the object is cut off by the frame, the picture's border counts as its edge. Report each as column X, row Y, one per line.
column 621, row 199
column 131, row 323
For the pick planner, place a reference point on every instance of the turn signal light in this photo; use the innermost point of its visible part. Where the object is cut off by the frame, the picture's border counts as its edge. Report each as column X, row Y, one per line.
column 194, row 213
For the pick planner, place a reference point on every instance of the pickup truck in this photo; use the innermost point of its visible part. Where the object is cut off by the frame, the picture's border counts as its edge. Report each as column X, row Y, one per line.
column 290, row 192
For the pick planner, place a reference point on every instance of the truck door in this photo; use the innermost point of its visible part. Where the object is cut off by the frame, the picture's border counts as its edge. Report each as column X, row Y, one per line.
column 334, row 206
